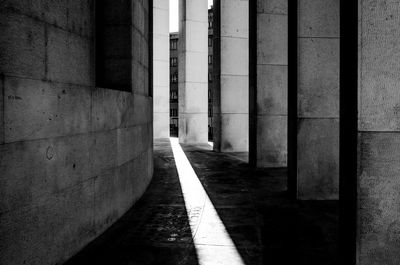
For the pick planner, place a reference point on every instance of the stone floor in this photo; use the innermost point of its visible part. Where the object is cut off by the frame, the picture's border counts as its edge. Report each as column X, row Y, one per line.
column 264, row 226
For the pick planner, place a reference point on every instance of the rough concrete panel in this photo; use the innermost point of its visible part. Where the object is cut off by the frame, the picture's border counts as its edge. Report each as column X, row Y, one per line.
column 68, row 57
column 27, row 7
column 318, row 18
column 113, row 191
column 270, row 108
column 379, row 141
column 193, row 71
column 378, row 198
column 192, row 128
column 272, row 141
column 39, row 109
column 234, row 56
column 51, row 230
column 232, row 102
column 80, row 17
column 32, row 170
column 235, row 130
column 272, row 39
column 234, row 21
column 317, row 159
column 22, row 42
column 234, row 97
column 318, row 87
column 272, row 7
column 131, row 142
column 272, row 89
column 65, row 132
column 1, row 110
column 379, row 101
column 160, row 118
column 318, row 100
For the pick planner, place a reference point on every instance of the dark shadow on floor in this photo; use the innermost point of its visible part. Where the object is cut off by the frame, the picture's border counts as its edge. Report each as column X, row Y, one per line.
column 155, row 231
column 266, row 226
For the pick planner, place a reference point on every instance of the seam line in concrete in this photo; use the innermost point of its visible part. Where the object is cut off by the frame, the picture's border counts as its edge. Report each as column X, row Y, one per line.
column 77, row 134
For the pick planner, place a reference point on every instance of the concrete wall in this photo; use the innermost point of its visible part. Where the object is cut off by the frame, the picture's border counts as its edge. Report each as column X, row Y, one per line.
column 73, row 157
column 379, row 133
column 193, row 71
column 271, row 93
column 318, row 99
column 161, row 68
column 233, row 131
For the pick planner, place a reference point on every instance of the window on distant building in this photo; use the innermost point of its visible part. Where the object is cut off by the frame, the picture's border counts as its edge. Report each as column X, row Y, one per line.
column 174, row 78
column 174, row 44
column 210, row 41
column 210, row 59
column 174, row 61
column 210, row 77
column 210, row 24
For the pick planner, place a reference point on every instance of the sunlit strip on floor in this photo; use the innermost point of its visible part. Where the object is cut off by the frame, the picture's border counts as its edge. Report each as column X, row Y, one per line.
column 211, row 144
column 210, row 237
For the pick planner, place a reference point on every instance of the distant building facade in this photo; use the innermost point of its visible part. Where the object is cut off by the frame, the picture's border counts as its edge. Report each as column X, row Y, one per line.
column 173, row 79
column 174, row 120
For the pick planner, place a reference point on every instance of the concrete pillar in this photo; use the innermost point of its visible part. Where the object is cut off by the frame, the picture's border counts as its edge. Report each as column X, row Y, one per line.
column 268, row 84
column 232, row 84
column 379, row 133
column 161, row 68
column 193, row 71
column 318, row 99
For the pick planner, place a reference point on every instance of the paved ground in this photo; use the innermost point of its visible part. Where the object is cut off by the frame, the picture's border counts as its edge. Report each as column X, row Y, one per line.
column 264, row 226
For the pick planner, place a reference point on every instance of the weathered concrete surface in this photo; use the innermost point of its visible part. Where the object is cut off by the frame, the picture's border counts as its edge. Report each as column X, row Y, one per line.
column 379, row 137
column 318, row 100
column 271, row 95
column 161, row 68
column 73, row 157
column 233, row 131
column 193, row 71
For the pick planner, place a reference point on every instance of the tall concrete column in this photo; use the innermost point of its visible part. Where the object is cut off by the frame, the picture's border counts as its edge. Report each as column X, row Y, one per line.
column 378, row 133
column 193, row 71
column 268, row 84
column 318, row 99
column 161, row 68
column 232, row 84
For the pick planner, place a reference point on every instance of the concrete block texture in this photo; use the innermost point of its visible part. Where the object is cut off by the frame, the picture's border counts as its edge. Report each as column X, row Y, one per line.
column 318, row 100
column 318, row 159
column 378, row 198
column 378, row 139
column 271, row 141
column 270, row 102
column 318, row 79
column 73, row 157
column 272, row 90
column 193, row 71
column 231, row 127
column 318, row 18
column 272, row 39
column 379, row 68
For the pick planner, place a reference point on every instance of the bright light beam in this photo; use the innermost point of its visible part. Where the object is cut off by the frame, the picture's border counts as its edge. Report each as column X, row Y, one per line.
column 211, row 240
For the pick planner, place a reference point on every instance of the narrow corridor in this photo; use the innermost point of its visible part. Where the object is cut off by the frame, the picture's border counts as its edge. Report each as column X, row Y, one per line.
column 259, row 224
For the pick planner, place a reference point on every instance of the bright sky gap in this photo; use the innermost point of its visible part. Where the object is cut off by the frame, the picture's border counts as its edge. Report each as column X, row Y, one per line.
column 174, row 14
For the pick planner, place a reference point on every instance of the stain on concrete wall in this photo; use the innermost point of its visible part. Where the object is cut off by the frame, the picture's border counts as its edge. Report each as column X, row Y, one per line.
column 73, row 157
